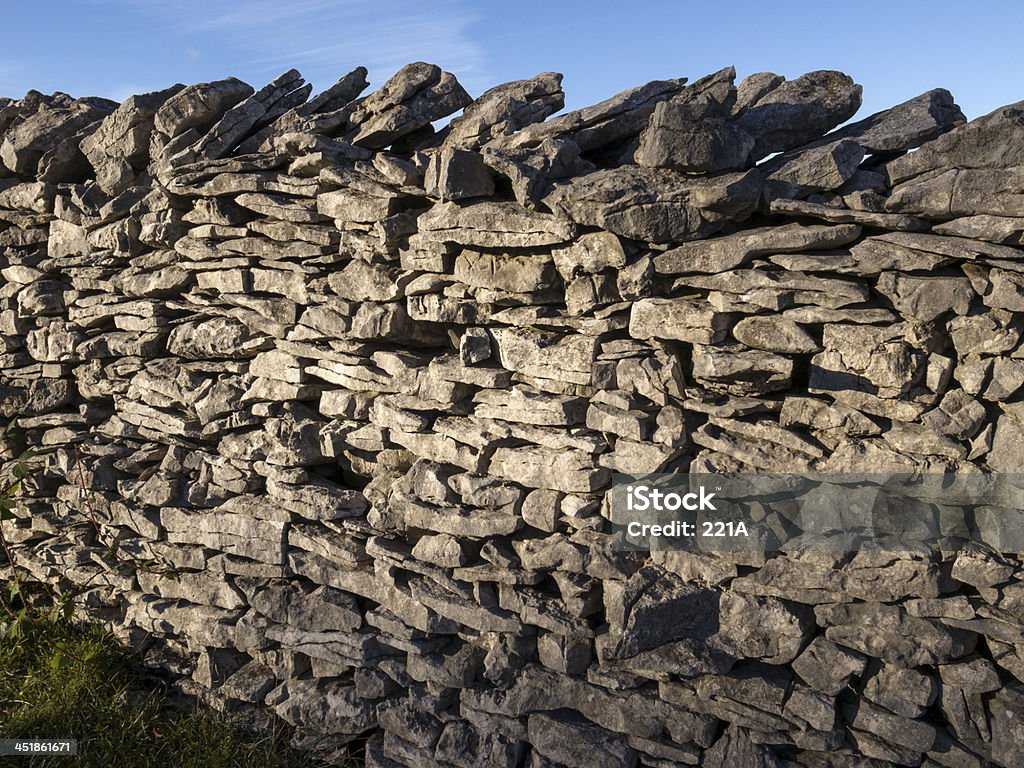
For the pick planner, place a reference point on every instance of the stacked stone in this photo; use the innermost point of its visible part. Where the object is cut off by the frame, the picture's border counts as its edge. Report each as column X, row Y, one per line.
column 331, row 399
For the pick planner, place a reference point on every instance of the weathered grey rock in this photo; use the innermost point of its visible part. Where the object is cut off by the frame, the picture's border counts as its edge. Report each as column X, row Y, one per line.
column 739, row 371
column 564, row 470
column 327, row 706
column 657, row 205
column 912, row 735
column 888, row 632
column 25, row 144
column 721, row 254
column 845, row 216
column 754, row 87
column 493, row 225
column 1007, row 444
column 774, row 334
column 532, row 171
column 27, row 196
column 828, row 667
column 690, row 133
column 457, row 174
column 906, row 692
column 462, row 745
column 994, row 229
column 735, row 747
column 958, row 416
column 959, row 192
column 119, row 148
column 818, row 169
column 689, row 320
column 526, row 406
column 836, row 421
column 555, row 356
column 761, row 445
column 888, row 362
column 747, row 289
column 505, row 109
column 226, row 531
column 798, row 111
column 279, row 207
column 590, row 292
column 515, row 274
column 620, row 117
column 1007, row 739
column 591, row 253
column 830, row 162
column 358, row 205
column 260, row 108
column 198, row 107
column 763, row 628
column 251, row 682
column 221, row 337
column 578, row 744
column 991, row 141
column 318, row 500
column 926, row 298
column 197, row 588
column 905, row 126
column 417, row 95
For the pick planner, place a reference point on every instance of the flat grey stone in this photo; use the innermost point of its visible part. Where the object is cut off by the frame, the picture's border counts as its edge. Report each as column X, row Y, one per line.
column 657, row 205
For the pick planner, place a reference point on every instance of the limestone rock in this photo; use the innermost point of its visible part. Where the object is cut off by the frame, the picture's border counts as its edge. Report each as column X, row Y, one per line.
column 905, row 126
column 730, row 251
column 1007, row 443
column 259, row 108
column 687, row 320
column 889, row 633
column 990, row 141
column 493, row 225
column 657, row 205
column 505, row 109
column 546, row 355
column 614, row 119
column 456, row 174
column 515, row 274
column 798, row 111
column 578, row 745
column 198, row 107
column 741, row 372
column 119, row 148
column 817, row 169
column 417, row 95
column 926, row 298
column 694, row 136
column 25, row 144
column 828, row 667
column 774, row 334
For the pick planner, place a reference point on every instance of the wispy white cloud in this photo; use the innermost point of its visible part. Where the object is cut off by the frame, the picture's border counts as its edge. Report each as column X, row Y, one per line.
column 324, row 39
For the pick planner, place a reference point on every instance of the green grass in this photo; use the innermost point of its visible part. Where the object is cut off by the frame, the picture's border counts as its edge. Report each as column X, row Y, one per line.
column 63, row 681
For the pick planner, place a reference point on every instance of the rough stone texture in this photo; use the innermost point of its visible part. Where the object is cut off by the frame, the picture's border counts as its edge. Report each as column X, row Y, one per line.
column 344, row 396
column 796, row 112
column 657, row 205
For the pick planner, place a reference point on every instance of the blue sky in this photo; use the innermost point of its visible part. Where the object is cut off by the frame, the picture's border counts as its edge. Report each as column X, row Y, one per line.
column 896, row 49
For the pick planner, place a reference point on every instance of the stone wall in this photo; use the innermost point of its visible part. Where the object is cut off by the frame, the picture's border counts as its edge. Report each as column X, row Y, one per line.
column 329, row 401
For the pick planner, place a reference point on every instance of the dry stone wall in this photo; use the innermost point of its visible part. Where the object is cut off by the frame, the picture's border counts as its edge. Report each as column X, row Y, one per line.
column 329, row 401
